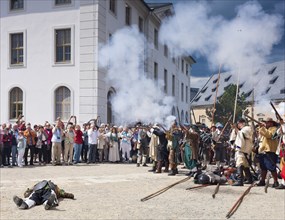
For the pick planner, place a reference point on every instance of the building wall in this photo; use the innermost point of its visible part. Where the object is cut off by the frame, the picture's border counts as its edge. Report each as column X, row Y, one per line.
column 39, row 77
column 91, row 22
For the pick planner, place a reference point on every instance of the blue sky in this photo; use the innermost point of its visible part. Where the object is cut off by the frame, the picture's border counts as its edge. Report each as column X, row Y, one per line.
column 226, row 8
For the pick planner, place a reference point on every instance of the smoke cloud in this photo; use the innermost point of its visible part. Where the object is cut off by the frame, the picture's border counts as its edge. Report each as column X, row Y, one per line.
column 240, row 43
column 137, row 96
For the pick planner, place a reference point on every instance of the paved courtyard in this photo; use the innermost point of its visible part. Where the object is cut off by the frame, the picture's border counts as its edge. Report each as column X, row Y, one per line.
column 113, row 191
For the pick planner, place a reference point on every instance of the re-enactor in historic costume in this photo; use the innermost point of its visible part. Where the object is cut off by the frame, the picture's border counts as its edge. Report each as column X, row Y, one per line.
column 44, row 192
column 173, row 142
column 162, row 153
column 242, row 134
column 267, row 151
column 191, row 147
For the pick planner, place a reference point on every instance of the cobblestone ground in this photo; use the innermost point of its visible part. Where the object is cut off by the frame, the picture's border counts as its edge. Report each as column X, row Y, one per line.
column 113, row 191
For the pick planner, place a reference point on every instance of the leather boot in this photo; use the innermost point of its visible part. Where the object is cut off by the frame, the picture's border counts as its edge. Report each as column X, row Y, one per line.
column 248, row 176
column 173, row 172
column 68, row 195
column 159, row 165
column 154, row 165
column 240, row 176
column 166, row 169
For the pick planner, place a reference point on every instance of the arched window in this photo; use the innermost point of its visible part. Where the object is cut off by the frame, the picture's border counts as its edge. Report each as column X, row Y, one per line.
column 16, row 102
column 62, row 103
column 182, row 117
column 110, row 115
column 173, row 111
column 186, row 117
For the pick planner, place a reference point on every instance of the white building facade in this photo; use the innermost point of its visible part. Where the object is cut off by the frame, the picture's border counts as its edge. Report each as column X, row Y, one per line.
column 49, row 57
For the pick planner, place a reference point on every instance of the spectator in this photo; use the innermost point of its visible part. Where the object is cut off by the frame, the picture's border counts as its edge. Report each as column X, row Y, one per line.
column 68, row 145
column 22, row 142
column 42, row 145
column 93, row 142
column 56, row 139
column 14, row 132
column 7, row 147
column 78, row 141
column 114, row 148
column 30, row 135
column 48, row 131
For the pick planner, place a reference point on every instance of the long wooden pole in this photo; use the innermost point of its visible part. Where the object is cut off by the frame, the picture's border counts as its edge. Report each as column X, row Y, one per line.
column 164, row 189
column 237, row 91
column 217, row 88
column 239, row 201
column 216, row 190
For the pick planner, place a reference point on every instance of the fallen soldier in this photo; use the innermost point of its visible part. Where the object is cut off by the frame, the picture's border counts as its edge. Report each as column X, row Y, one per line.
column 44, row 192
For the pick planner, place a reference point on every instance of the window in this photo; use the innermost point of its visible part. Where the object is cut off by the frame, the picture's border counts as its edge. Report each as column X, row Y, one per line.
column 270, row 72
column 215, row 81
column 63, row 45
column 228, row 78
column 182, row 116
column 241, row 85
column 182, row 92
column 62, row 2
column 267, row 90
column 112, row 6
column 187, row 69
column 16, row 4
column 128, row 14
column 226, row 87
column 186, row 117
column 282, row 91
column 155, row 71
column 17, row 49
column 197, row 99
column 140, row 24
column 173, row 60
column 165, row 81
column 214, row 89
column 165, row 50
column 182, row 65
column 156, row 38
column 208, row 98
column 16, row 102
column 186, row 94
column 204, row 90
column 62, row 103
column 272, row 81
column 173, row 85
column 248, row 93
column 110, row 114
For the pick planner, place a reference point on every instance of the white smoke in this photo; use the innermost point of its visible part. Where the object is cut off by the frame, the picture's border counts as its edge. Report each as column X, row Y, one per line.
column 137, row 97
column 243, row 42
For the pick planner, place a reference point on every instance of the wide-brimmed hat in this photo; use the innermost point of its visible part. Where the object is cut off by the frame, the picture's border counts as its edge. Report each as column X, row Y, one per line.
column 269, row 119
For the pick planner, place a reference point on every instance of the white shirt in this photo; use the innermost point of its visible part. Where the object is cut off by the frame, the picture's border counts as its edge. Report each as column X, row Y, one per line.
column 92, row 136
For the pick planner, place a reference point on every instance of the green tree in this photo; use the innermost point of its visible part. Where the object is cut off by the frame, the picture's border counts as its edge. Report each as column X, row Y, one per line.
column 225, row 105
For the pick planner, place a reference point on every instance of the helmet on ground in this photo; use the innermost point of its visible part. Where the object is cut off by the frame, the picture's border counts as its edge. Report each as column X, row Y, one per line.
column 203, row 179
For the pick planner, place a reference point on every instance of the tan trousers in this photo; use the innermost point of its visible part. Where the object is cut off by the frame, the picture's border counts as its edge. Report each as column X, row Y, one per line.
column 56, row 152
column 68, row 154
column 172, row 159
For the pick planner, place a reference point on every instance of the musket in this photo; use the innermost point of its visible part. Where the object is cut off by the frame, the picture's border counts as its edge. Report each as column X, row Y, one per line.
column 278, row 117
column 164, row 189
column 216, row 190
column 224, row 128
column 251, row 118
column 196, row 187
column 239, row 201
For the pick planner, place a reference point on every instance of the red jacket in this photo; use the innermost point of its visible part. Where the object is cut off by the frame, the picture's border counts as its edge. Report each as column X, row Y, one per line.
column 78, row 137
